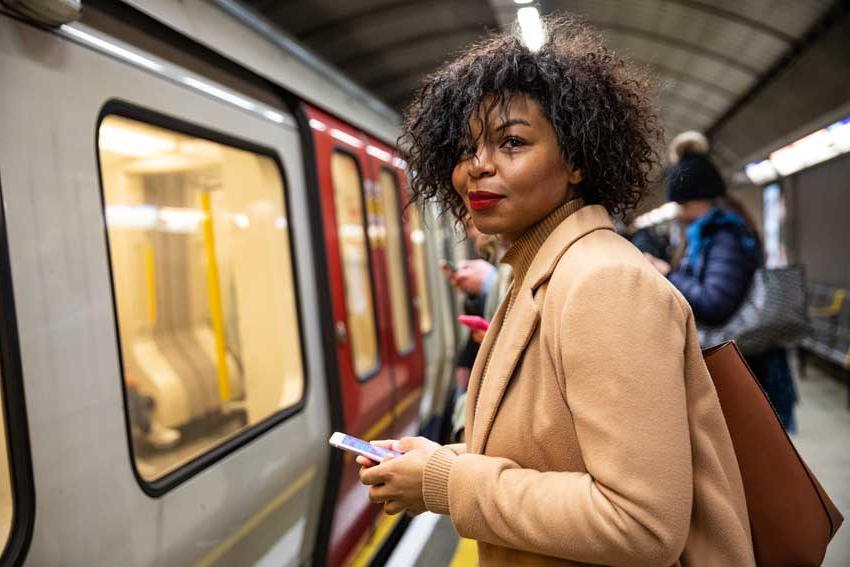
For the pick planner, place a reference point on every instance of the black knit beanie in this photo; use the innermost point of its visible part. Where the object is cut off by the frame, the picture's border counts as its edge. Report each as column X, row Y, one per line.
column 692, row 176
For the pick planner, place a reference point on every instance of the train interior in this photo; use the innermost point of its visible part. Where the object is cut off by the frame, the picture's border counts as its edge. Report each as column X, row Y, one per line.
column 203, row 288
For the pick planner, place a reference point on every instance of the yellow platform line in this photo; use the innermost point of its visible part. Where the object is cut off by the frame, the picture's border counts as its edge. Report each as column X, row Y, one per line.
column 466, row 553
column 359, row 555
column 252, row 523
column 221, row 549
column 383, row 530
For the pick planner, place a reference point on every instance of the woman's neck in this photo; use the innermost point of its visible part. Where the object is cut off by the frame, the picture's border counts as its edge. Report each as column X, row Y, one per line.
column 523, row 249
column 508, row 240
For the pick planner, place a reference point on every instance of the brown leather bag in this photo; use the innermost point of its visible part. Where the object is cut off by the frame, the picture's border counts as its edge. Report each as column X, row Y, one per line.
column 791, row 518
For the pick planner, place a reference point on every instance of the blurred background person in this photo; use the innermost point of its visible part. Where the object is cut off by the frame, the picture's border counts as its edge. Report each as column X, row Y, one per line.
column 484, row 282
column 723, row 250
column 477, row 279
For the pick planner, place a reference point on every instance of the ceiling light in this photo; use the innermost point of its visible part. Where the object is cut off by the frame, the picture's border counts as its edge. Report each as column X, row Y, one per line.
column 220, row 93
column 132, row 142
column 523, row 1
column 531, row 28
column 318, row 125
column 347, row 138
column 131, row 216
column 399, row 163
column 274, row 116
column 760, row 172
column 378, row 153
column 112, row 48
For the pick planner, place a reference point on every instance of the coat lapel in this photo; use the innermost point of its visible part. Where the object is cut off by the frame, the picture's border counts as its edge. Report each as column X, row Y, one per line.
column 508, row 342
column 478, row 368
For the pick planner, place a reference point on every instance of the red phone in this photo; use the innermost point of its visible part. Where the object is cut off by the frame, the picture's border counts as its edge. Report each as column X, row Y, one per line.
column 474, row 322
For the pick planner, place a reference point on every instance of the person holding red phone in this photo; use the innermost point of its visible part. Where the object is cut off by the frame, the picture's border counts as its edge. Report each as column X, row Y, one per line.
column 593, row 431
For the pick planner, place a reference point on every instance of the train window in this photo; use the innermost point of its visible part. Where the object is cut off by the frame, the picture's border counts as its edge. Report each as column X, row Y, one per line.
column 204, row 289
column 396, row 265
column 417, row 238
column 354, row 251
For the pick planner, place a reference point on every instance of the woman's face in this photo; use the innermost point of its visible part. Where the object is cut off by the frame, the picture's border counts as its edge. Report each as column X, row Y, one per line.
column 515, row 176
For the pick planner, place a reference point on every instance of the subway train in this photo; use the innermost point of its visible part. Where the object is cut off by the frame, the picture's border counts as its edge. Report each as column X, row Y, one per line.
column 207, row 266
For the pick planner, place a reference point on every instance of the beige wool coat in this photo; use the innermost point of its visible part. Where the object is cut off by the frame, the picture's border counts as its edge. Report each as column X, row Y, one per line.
column 595, row 436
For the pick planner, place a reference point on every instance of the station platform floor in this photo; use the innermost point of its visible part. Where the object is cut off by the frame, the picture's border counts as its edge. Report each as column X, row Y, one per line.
column 823, row 440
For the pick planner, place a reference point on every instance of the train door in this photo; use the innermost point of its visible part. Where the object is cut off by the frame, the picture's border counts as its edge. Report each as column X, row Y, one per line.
column 160, row 250
column 355, row 268
column 406, row 296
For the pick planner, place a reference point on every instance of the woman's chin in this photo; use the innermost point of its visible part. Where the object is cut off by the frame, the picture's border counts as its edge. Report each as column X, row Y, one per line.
column 486, row 225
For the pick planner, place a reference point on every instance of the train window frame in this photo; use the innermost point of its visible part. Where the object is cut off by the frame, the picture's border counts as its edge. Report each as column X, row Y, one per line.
column 421, row 220
column 15, row 422
column 160, row 486
column 413, row 317
column 379, row 360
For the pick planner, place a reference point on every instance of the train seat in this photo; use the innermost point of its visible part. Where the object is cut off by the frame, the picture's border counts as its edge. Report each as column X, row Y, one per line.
column 178, row 371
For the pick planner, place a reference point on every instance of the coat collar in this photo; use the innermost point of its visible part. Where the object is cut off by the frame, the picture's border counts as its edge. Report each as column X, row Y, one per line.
column 502, row 348
column 581, row 223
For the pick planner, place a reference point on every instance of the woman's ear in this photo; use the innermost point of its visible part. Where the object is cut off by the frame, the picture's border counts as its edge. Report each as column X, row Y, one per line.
column 574, row 176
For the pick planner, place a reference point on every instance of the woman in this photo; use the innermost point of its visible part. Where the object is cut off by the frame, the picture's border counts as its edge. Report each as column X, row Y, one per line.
column 594, row 434
column 722, row 254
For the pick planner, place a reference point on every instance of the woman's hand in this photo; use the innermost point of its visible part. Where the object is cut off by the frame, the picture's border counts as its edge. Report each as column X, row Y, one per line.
column 397, row 481
column 478, row 335
column 471, row 275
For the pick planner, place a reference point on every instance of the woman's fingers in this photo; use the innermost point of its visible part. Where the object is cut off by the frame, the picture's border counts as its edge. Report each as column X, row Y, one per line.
column 406, row 444
column 364, row 461
column 382, row 493
column 374, row 475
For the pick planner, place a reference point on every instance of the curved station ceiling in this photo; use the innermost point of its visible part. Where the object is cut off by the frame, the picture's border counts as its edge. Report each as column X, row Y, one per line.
column 747, row 72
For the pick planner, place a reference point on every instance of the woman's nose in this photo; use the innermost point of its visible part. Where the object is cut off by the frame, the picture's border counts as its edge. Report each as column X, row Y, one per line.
column 481, row 165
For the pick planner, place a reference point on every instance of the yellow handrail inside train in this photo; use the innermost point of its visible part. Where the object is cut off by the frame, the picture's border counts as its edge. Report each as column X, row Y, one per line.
column 216, row 312
column 150, row 278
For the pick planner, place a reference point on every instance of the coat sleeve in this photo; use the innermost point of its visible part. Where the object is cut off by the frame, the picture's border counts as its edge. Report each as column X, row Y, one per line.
column 621, row 348
column 726, row 278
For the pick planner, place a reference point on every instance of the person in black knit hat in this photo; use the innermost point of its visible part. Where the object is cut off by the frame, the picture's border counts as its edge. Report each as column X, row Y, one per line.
column 722, row 254
column 692, row 176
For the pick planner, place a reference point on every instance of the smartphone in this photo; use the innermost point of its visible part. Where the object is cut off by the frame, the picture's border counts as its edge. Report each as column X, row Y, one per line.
column 474, row 322
column 361, row 447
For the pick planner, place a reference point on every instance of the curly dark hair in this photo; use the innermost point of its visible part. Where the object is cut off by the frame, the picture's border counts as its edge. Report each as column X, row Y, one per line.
column 600, row 109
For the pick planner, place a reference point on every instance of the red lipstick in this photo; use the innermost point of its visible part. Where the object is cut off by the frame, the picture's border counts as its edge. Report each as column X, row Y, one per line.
column 483, row 200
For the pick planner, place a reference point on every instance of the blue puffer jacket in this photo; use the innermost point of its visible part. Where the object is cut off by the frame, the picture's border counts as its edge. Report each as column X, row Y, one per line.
column 718, row 267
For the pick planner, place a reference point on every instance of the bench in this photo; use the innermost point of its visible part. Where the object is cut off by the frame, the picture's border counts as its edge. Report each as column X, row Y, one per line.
column 829, row 331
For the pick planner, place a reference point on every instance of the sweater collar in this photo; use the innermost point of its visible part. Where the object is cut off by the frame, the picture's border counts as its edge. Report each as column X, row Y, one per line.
column 576, row 225
column 522, row 252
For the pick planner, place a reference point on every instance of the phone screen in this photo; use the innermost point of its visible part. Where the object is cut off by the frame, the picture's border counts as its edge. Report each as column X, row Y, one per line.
column 366, row 447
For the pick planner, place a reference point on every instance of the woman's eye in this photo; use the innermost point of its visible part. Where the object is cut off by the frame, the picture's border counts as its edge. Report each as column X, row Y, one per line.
column 512, row 142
